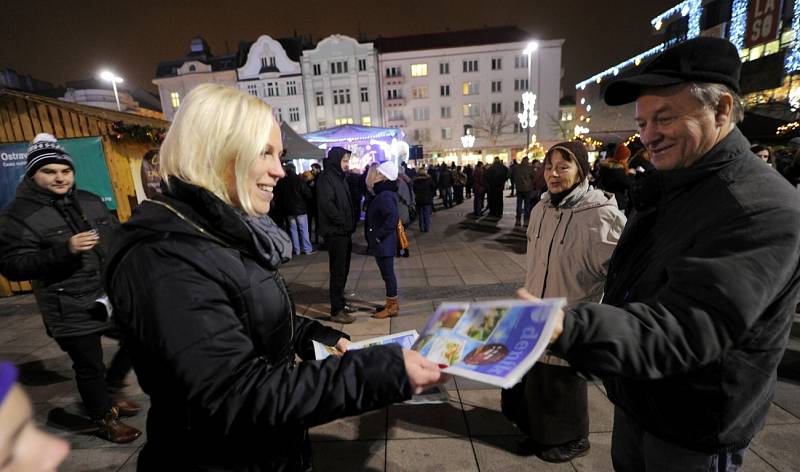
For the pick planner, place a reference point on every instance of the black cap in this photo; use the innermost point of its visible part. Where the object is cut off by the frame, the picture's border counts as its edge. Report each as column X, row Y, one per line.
column 702, row 59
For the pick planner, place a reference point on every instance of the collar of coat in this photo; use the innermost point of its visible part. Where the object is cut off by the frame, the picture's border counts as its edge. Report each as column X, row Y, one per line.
column 659, row 187
column 582, row 197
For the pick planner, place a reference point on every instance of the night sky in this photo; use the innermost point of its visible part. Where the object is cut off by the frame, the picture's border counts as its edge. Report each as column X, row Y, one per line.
column 65, row 40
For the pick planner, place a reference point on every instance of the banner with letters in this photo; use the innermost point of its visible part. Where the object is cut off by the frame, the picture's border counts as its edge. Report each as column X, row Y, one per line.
column 91, row 172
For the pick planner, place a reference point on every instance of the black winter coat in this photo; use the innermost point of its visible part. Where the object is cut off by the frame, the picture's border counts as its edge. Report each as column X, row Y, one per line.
column 424, row 189
column 213, row 337
column 699, row 301
column 334, row 204
column 295, row 195
column 34, row 245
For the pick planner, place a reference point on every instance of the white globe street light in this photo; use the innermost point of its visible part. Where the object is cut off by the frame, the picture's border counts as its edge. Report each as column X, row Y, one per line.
column 528, row 117
column 114, row 79
column 468, row 140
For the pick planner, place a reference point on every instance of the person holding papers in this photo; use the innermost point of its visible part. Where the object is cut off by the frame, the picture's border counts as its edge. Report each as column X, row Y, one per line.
column 571, row 236
column 212, row 328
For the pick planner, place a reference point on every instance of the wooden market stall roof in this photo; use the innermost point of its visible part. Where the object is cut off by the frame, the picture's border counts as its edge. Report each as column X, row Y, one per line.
column 24, row 114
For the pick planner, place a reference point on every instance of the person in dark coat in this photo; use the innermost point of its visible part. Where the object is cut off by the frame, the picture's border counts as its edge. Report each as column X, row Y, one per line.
column 446, row 186
column 58, row 236
column 470, row 180
column 337, row 223
column 424, row 190
column 381, row 230
column 615, row 177
column 704, row 282
column 295, row 203
column 494, row 179
column 197, row 291
column 479, row 189
column 522, row 177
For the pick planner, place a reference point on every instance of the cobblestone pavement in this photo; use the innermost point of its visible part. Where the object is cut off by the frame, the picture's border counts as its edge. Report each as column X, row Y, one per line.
column 460, row 259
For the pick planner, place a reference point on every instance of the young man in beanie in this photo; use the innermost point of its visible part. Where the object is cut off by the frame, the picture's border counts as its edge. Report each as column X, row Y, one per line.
column 702, row 287
column 336, row 225
column 57, row 235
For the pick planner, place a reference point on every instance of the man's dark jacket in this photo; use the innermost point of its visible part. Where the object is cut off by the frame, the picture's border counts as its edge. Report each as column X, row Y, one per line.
column 699, row 301
column 34, row 245
column 295, row 195
column 424, row 190
column 334, row 205
column 213, row 337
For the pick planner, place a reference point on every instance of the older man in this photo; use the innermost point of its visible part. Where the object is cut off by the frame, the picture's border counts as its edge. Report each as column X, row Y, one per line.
column 703, row 284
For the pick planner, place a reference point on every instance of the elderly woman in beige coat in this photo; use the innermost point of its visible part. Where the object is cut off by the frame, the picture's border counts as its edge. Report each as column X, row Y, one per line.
column 571, row 235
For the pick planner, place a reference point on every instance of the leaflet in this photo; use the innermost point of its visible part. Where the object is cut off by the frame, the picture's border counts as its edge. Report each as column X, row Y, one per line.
column 405, row 339
column 494, row 342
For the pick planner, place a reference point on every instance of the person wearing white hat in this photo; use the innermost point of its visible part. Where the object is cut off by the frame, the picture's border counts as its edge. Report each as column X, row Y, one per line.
column 380, row 225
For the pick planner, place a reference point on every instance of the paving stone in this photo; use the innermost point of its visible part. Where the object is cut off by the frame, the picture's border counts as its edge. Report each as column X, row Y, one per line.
column 787, row 396
column 100, row 460
column 369, row 426
column 777, row 445
column 599, row 457
column 482, row 410
column 365, row 324
column 333, row 456
column 499, row 454
column 430, row 455
column 426, row 421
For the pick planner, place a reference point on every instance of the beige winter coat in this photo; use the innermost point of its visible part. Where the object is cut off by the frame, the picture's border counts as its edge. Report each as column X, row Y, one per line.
column 569, row 247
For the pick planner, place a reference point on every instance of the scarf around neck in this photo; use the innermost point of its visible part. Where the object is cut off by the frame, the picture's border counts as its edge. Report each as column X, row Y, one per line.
column 272, row 243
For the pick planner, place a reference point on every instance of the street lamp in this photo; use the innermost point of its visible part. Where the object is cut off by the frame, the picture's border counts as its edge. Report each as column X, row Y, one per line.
column 528, row 117
column 115, row 79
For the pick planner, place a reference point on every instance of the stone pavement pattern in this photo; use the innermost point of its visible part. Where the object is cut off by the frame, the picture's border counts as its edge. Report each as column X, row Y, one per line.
column 461, row 259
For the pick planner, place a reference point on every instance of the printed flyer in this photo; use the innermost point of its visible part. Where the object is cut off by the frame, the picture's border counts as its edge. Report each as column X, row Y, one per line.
column 494, row 342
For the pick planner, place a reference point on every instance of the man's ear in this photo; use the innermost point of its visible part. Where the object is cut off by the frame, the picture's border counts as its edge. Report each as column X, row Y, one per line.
column 724, row 112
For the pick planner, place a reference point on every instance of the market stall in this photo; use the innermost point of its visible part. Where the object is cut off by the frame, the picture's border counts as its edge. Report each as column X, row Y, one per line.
column 107, row 146
column 367, row 143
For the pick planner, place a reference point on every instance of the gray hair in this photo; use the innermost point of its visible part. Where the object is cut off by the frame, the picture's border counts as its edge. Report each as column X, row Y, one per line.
column 709, row 95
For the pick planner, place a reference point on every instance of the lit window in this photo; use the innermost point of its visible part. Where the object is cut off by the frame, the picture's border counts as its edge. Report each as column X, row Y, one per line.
column 419, row 70
column 470, row 109
column 420, row 92
column 176, row 99
column 470, row 88
column 322, row 125
column 366, row 121
column 787, row 37
column 343, row 121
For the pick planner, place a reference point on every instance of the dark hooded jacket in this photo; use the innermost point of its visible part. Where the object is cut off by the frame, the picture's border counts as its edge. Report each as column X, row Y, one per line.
column 699, row 301
column 34, row 245
column 334, row 205
column 213, row 336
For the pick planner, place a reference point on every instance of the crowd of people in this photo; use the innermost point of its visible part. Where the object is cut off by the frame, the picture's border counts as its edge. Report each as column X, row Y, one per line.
column 677, row 257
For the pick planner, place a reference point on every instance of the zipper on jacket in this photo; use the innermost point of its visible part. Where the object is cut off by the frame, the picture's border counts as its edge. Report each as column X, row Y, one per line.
column 549, row 251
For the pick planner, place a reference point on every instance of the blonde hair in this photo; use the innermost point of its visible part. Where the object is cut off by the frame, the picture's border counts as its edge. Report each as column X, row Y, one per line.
column 217, row 135
column 373, row 176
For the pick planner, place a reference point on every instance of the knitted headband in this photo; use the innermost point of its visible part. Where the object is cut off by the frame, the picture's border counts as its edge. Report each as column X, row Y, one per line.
column 8, row 375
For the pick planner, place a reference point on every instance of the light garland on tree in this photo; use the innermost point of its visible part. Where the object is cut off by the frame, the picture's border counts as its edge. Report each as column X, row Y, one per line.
column 792, row 64
column 738, row 23
column 787, row 128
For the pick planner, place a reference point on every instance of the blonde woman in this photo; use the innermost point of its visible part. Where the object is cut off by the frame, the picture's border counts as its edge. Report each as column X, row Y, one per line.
column 380, row 225
column 212, row 328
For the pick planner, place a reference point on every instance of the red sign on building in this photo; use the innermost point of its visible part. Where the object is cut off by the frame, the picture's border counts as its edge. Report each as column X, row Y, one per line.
column 762, row 21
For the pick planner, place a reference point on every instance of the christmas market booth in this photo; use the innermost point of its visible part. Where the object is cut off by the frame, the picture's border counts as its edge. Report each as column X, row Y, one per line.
column 299, row 151
column 367, row 143
column 108, row 148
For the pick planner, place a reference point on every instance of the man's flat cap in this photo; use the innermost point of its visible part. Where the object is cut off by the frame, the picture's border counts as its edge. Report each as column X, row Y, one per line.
column 702, row 59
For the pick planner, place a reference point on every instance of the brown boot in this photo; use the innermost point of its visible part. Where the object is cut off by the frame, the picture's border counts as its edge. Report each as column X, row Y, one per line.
column 127, row 407
column 112, row 429
column 391, row 308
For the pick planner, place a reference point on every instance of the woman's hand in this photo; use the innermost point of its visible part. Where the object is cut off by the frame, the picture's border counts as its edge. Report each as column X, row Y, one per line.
column 422, row 373
column 342, row 345
column 525, row 295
